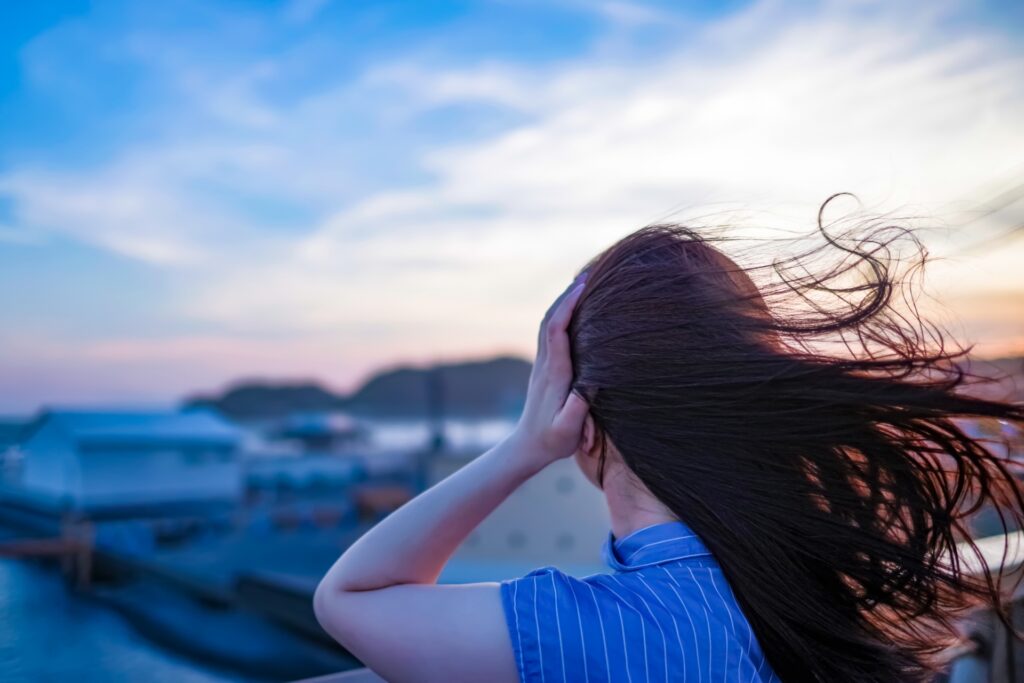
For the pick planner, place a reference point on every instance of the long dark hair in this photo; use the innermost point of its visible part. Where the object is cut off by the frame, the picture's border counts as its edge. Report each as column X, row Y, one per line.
column 806, row 422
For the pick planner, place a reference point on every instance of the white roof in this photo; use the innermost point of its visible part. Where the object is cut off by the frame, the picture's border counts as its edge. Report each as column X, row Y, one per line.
column 194, row 426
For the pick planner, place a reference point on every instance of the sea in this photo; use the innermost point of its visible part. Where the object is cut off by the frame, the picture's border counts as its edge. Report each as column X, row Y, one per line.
column 49, row 634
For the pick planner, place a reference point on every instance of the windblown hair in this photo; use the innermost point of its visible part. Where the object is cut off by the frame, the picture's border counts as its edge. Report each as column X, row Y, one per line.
column 812, row 428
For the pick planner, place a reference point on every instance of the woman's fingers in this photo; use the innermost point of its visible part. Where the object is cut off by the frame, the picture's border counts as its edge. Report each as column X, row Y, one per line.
column 569, row 421
column 556, row 368
column 552, row 418
column 556, row 331
column 542, row 335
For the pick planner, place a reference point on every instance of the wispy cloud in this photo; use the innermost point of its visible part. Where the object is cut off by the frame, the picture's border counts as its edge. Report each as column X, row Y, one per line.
column 302, row 11
column 762, row 112
column 432, row 203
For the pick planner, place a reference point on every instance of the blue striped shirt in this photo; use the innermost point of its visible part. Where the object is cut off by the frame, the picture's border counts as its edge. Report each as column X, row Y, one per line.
column 666, row 614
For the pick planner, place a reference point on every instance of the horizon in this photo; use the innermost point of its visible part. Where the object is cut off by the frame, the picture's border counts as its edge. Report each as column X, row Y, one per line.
column 175, row 403
column 194, row 196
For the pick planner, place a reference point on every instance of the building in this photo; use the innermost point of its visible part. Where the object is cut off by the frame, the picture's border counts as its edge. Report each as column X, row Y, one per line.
column 320, row 432
column 87, row 460
column 12, row 431
column 555, row 518
column 301, row 472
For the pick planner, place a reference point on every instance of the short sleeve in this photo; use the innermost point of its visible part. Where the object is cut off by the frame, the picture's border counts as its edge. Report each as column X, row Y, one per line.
column 545, row 611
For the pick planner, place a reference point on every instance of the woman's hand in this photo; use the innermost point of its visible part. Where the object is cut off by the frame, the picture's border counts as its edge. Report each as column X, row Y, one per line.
column 551, row 425
column 380, row 597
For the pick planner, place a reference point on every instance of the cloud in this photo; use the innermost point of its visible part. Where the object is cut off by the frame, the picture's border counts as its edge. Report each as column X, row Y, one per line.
column 758, row 110
column 832, row 102
column 13, row 235
column 123, row 215
column 330, row 207
column 302, row 11
column 633, row 14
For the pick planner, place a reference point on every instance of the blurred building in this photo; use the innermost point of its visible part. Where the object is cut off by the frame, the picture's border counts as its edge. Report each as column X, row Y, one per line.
column 555, row 518
column 301, row 472
column 319, row 432
column 12, row 431
column 93, row 459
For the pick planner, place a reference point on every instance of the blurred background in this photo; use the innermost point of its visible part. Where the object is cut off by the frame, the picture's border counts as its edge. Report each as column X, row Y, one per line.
column 269, row 268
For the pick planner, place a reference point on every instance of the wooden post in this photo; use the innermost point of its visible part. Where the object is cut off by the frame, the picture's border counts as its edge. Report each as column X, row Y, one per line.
column 83, row 554
column 66, row 532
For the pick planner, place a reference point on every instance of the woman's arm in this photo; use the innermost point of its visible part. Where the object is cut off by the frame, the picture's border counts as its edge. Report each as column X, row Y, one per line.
column 413, row 543
column 380, row 599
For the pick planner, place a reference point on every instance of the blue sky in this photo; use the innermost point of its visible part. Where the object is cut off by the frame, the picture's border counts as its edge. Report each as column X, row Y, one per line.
column 197, row 192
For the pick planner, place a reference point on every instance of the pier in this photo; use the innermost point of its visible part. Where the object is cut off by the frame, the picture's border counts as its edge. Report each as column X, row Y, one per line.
column 73, row 547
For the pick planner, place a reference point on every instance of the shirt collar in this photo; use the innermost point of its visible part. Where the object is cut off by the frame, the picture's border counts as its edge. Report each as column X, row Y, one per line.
column 665, row 542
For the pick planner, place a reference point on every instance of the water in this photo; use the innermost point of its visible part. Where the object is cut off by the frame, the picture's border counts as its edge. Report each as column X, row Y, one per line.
column 48, row 634
column 460, row 434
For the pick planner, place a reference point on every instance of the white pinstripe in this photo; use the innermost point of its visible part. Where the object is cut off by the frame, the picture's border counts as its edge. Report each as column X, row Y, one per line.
column 750, row 650
column 764, row 658
column 625, row 650
column 725, row 672
column 682, row 652
column 651, row 545
column 750, row 629
column 725, row 641
column 558, row 626
column 519, row 634
column 604, row 638
column 728, row 611
column 643, row 629
column 664, row 642
column 583, row 639
column 536, row 621
column 757, row 673
column 707, row 620
column 693, row 627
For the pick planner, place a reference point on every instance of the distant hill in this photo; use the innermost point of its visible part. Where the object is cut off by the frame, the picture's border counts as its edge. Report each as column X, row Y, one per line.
column 256, row 400
column 488, row 388
column 479, row 389
column 475, row 389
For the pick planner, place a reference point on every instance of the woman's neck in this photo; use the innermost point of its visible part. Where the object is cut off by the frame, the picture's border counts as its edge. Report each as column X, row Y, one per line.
column 631, row 505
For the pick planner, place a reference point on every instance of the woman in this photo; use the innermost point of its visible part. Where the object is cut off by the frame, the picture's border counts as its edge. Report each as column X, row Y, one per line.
column 784, row 457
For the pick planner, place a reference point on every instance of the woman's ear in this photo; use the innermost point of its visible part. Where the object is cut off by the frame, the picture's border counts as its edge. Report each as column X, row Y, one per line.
column 588, row 454
column 589, row 440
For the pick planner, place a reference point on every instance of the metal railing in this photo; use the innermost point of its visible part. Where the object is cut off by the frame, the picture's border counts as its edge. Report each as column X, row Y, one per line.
column 355, row 676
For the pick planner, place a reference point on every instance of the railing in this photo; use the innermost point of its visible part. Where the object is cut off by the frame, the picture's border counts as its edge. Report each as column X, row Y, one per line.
column 357, row 676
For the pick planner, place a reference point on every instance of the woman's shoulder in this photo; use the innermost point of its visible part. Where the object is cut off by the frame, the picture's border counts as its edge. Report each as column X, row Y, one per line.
column 548, row 583
column 693, row 583
column 673, row 593
column 561, row 623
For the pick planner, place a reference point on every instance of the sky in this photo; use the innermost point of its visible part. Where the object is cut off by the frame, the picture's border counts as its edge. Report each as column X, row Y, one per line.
column 200, row 192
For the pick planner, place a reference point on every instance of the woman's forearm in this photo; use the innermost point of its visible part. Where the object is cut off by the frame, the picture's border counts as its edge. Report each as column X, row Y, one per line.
column 413, row 543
